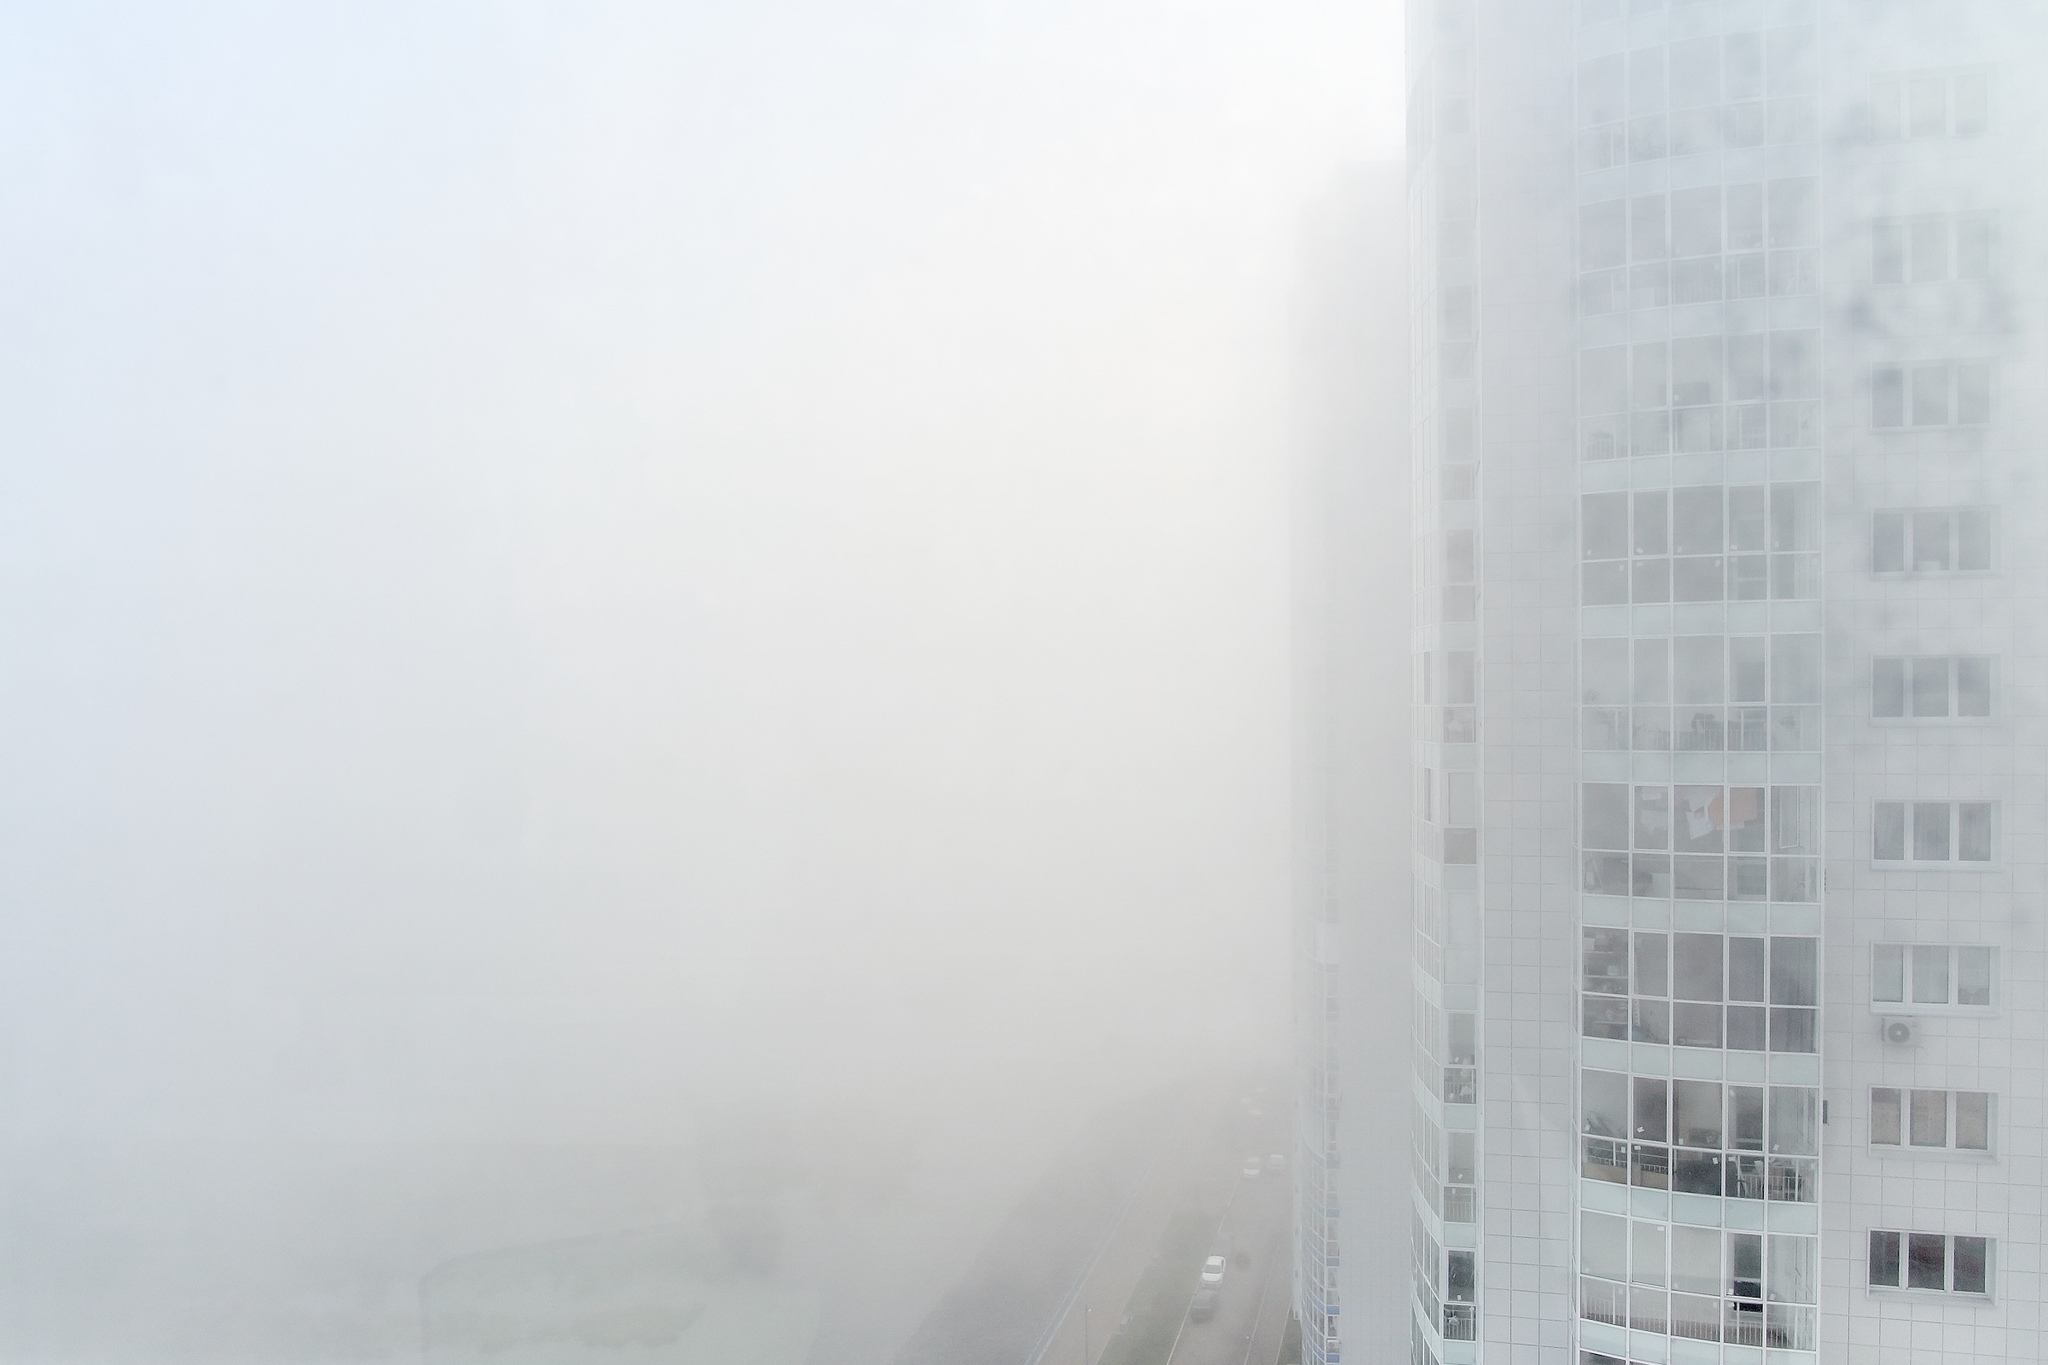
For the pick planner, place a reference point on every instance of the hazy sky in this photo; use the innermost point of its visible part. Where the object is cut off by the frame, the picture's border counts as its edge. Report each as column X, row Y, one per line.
column 557, row 557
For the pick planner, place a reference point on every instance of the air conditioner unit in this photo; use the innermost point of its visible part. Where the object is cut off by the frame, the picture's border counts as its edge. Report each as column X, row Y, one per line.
column 1901, row 1032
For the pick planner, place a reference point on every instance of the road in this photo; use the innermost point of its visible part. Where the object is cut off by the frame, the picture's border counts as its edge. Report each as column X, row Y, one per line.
column 1202, row 1164
column 1063, row 1249
column 1253, row 1314
column 1091, row 1313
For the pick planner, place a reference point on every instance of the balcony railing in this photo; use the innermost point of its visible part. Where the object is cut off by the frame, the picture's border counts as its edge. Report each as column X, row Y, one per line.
column 1603, row 1301
column 1789, row 1327
column 1739, row 1322
column 1461, row 1085
column 1742, row 1323
column 1744, row 1176
column 1697, row 729
column 1648, row 1310
column 1794, row 1179
column 1461, row 1322
column 1605, row 1159
column 1694, row 1317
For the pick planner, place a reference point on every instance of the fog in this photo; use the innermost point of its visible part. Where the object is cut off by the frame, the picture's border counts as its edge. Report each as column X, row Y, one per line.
column 604, row 605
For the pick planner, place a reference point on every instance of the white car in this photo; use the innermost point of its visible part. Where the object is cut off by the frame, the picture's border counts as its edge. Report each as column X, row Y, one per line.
column 1276, row 1162
column 1212, row 1270
column 1251, row 1168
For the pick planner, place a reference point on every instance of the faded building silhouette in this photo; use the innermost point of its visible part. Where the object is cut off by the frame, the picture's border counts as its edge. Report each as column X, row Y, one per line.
column 1351, row 822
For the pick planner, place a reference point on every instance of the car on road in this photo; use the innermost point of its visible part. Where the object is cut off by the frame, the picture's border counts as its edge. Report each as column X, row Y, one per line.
column 1251, row 1168
column 1212, row 1270
column 1276, row 1162
column 1204, row 1306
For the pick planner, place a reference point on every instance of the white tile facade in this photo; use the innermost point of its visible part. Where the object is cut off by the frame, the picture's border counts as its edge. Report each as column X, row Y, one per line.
column 1701, row 290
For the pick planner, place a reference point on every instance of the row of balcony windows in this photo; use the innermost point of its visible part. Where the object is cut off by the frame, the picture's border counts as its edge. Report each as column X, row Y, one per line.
column 1701, row 431
column 1706, row 279
column 1738, row 1322
column 1701, row 729
column 1696, row 578
column 1653, row 1166
column 1663, row 876
column 1693, row 132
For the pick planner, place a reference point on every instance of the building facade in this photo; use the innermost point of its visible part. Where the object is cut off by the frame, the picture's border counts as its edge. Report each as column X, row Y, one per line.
column 1729, row 766
column 1350, row 1172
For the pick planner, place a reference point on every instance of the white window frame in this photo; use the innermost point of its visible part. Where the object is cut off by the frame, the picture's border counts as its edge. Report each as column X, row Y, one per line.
column 1909, row 519
column 1954, row 716
column 1948, row 1259
column 1895, row 87
column 1948, row 1151
column 1909, row 376
column 1952, row 863
column 1909, row 1006
column 1906, row 250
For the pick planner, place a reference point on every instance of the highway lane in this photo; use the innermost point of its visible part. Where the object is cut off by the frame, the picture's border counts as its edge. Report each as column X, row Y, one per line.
column 1199, row 1160
column 1248, row 1323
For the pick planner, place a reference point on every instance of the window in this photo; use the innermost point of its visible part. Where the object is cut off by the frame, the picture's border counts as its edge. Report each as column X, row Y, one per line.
column 1905, row 978
column 1460, row 569
column 1702, row 693
column 1934, row 393
column 1461, row 695
column 1941, row 687
column 1701, row 1137
column 1459, row 437
column 1461, row 817
column 1700, row 842
column 1454, row 306
column 1934, row 833
column 1426, row 1257
column 1648, row 239
column 1459, row 1281
column 1454, row 105
column 1701, row 394
column 1927, row 104
column 1461, row 1058
column 1696, row 1282
column 1930, row 1120
column 1603, row 240
column 1747, row 543
column 1460, row 1176
column 1749, row 993
column 1699, row 95
column 1460, row 680
column 1932, row 540
column 1931, row 1261
column 1930, row 249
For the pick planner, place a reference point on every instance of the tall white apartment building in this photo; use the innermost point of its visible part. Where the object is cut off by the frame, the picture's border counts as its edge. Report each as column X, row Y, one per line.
column 1730, row 425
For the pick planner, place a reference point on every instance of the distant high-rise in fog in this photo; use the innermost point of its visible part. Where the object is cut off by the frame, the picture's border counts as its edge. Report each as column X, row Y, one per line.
column 1352, row 824
column 1729, row 682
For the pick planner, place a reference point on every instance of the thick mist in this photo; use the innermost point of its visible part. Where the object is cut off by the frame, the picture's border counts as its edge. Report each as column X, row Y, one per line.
column 626, row 617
